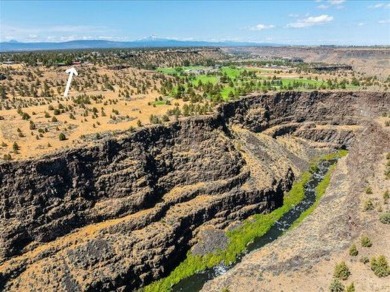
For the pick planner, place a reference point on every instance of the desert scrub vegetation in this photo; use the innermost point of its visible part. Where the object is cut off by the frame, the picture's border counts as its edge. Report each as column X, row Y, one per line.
column 385, row 218
column 387, row 170
column 379, row 266
column 365, row 241
column 353, row 250
column 341, row 271
column 368, row 205
column 386, row 197
column 15, row 148
column 240, row 237
column 336, row 286
column 368, row 190
column 7, row 157
column 62, row 137
column 350, row 288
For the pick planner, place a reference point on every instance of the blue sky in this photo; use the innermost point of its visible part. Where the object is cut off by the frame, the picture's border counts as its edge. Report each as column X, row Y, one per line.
column 310, row 22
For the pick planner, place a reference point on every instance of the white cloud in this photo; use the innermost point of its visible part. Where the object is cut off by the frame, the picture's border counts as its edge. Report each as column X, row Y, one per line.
column 262, row 27
column 379, row 5
column 311, row 21
column 336, row 2
column 331, row 3
column 361, row 24
column 384, row 21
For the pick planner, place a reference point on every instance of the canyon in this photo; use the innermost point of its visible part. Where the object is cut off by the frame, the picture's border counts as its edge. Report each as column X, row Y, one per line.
column 123, row 213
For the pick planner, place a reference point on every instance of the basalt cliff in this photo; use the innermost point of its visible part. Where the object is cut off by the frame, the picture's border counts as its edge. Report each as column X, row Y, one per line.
column 123, row 213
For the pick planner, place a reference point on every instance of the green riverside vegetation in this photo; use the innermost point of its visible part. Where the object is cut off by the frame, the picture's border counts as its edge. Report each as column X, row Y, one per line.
column 253, row 227
column 322, row 186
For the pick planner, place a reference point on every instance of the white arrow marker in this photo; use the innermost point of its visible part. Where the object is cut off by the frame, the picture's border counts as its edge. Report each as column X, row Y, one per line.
column 70, row 71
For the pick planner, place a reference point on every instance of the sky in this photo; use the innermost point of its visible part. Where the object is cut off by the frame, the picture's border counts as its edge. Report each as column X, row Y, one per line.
column 310, row 22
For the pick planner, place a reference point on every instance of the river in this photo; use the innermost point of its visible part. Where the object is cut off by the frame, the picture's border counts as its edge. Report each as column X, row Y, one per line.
column 196, row 281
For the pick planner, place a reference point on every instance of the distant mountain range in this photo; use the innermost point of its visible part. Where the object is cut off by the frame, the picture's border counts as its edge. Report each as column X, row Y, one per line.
column 103, row 44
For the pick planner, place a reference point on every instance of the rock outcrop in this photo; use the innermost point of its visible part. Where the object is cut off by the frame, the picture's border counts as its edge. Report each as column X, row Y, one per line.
column 123, row 213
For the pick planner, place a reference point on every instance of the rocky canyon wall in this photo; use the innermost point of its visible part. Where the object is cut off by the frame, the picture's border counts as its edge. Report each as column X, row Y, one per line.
column 124, row 212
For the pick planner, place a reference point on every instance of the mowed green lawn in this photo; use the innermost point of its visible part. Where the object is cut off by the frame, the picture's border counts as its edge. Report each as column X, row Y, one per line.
column 232, row 72
column 235, row 72
column 286, row 81
column 205, row 79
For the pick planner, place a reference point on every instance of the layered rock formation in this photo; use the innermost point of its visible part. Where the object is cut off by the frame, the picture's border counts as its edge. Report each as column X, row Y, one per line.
column 123, row 213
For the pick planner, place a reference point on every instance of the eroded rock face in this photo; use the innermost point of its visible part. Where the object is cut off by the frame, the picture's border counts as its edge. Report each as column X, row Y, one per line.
column 125, row 212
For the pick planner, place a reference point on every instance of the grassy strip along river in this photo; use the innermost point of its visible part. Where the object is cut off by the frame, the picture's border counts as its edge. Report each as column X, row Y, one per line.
column 255, row 232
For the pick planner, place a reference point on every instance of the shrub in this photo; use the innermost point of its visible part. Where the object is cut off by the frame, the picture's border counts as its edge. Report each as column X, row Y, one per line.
column 380, row 266
column 385, row 218
column 364, row 260
column 7, row 157
column 386, row 196
column 336, row 286
column 341, row 271
column 368, row 205
column 32, row 125
column 365, row 241
column 54, row 120
column 350, row 288
column 387, row 173
column 15, row 147
column 369, row 190
column 154, row 119
column 25, row 116
column 353, row 250
column 61, row 137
